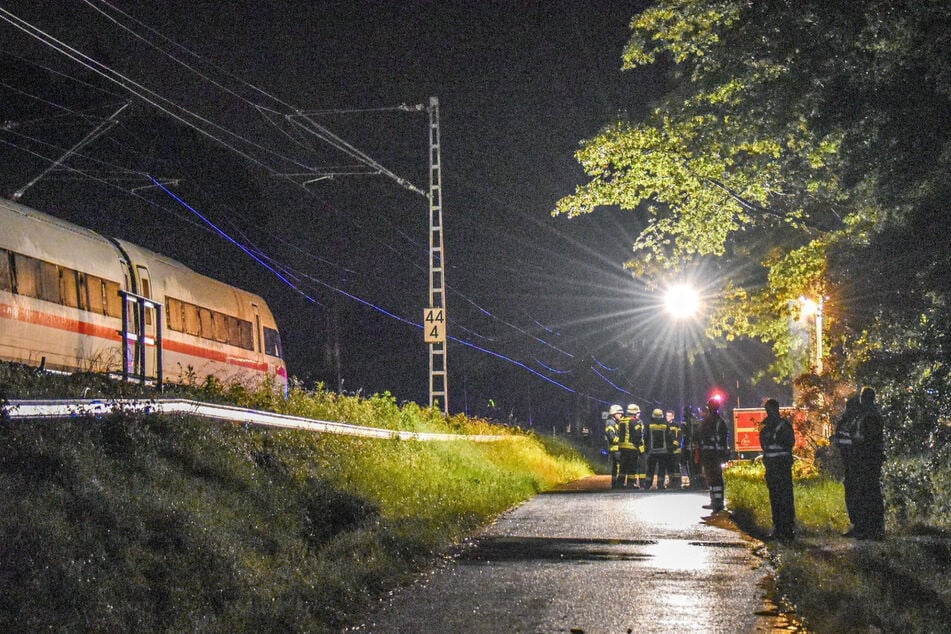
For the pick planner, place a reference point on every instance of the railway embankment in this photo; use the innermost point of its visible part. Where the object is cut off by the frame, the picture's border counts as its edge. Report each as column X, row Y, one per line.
column 132, row 521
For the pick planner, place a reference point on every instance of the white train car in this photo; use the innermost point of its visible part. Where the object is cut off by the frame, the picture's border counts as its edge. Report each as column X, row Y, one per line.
column 62, row 290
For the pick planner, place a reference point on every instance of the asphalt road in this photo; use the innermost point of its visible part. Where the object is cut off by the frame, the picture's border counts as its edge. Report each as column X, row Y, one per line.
column 592, row 560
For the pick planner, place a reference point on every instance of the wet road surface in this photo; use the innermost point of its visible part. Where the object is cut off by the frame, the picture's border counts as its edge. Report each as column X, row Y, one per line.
column 593, row 560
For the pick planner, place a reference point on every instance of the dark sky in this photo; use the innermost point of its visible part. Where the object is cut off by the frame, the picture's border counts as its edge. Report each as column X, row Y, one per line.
column 519, row 84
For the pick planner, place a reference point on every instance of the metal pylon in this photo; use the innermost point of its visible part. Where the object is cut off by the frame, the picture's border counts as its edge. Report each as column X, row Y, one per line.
column 438, row 387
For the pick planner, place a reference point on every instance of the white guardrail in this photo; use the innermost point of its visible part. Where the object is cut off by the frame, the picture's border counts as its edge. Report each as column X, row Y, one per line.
column 23, row 409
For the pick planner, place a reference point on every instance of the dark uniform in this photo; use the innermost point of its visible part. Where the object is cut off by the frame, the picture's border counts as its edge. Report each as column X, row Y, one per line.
column 612, row 439
column 676, row 449
column 842, row 439
column 628, row 446
column 713, row 451
column 691, row 450
column 656, row 438
column 868, row 455
column 637, row 437
column 777, row 439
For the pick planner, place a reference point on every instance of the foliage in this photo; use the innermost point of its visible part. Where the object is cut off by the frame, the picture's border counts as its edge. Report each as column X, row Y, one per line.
column 144, row 523
column 798, row 148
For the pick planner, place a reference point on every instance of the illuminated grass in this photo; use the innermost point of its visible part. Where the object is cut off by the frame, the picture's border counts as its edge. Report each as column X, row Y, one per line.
column 141, row 523
column 842, row 585
column 820, row 502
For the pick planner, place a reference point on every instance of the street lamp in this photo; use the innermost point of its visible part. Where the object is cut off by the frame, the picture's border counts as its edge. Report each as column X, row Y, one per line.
column 813, row 307
column 682, row 302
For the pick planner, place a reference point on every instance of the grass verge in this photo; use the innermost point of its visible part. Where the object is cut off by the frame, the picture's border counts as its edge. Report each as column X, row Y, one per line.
column 145, row 523
column 836, row 584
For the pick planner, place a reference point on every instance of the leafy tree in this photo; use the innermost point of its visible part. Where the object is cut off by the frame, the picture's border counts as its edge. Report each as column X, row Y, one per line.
column 802, row 148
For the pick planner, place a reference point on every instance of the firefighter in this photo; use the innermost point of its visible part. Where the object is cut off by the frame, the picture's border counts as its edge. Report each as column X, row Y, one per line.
column 628, row 445
column 656, row 439
column 691, row 454
column 777, row 438
column 637, row 437
column 868, row 454
column 675, row 445
column 611, row 436
column 713, row 451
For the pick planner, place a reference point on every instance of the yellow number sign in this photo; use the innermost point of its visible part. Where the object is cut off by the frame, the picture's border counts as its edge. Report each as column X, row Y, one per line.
column 434, row 325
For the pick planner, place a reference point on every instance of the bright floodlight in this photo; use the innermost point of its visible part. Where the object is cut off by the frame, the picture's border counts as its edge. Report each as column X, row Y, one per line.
column 682, row 301
column 809, row 306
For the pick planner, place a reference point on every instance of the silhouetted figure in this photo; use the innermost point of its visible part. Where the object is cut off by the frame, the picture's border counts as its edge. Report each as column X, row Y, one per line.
column 713, row 451
column 777, row 438
column 868, row 455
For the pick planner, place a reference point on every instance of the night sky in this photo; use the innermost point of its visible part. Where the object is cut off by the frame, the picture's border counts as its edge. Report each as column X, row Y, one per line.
column 519, row 84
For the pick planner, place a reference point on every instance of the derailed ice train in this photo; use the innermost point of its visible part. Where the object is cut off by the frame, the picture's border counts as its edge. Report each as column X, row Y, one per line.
column 73, row 300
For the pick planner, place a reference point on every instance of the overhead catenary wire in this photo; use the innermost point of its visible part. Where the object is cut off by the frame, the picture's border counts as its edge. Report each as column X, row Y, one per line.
column 120, row 81
column 179, row 113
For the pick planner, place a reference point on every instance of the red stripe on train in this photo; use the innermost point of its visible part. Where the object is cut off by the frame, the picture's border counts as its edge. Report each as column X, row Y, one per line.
column 68, row 324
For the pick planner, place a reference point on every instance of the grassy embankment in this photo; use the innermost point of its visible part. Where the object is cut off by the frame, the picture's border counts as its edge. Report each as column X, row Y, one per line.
column 835, row 584
column 144, row 523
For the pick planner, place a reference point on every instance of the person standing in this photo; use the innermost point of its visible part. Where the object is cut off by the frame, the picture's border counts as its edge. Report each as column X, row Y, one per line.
column 611, row 436
column 777, row 438
column 713, row 451
column 628, row 446
column 868, row 455
column 675, row 445
column 637, row 437
column 842, row 438
column 655, row 441
column 691, row 454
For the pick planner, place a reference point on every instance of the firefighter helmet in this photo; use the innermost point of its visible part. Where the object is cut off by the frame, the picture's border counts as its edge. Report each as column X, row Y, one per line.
column 615, row 409
column 657, row 413
column 633, row 409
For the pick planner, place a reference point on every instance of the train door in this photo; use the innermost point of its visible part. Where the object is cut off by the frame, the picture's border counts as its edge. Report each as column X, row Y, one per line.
column 258, row 344
column 147, row 350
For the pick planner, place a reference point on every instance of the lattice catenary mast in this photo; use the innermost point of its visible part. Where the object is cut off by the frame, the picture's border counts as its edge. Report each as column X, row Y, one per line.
column 438, row 385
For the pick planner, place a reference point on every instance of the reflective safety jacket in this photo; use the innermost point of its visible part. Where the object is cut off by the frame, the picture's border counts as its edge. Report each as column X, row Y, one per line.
column 845, row 426
column 777, row 438
column 625, row 432
column 657, row 437
column 713, row 434
column 637, row 433
column 610, row 433
column 675, row 438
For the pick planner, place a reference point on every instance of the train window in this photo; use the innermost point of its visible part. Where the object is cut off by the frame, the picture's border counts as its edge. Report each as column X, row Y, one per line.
column 27, row 274
column 221, row 326
column 146, row 292
column 113, row 299
column 95, row 300
column 6, row 280
column 272, row 342
column 48, row 282
column 69, row 287
column 192, row 323
column 174, row 314
column 207, row 328
column 245, row 335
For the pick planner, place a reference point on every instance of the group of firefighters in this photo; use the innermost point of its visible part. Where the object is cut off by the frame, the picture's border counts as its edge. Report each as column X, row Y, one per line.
column 673, row 451
column 680, row 454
